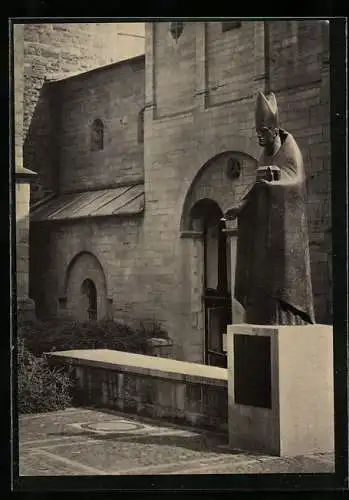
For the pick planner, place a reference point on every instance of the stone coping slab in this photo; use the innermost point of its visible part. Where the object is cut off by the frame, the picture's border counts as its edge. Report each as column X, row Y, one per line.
column 152, row 366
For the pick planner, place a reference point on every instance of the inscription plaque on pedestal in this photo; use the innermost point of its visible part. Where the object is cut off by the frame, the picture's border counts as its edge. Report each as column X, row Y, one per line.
column 252, row 370
column 280, row 388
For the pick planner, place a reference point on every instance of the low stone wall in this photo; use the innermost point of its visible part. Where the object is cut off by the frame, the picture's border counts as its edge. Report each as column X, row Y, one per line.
column 157, row 387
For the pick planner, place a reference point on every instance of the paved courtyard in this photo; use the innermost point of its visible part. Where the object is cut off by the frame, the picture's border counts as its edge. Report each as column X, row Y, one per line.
column 79, row 441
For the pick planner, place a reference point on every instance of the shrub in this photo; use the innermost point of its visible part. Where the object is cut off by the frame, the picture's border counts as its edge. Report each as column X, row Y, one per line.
column 66, row 334
column 40, row 387
column 43, row 388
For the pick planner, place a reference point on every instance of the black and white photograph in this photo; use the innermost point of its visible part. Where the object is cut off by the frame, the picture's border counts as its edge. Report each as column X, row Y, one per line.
column 173, row 244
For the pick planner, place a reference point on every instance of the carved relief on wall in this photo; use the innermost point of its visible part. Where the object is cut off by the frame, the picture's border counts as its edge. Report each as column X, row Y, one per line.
column 233, row 168
column 176, row 29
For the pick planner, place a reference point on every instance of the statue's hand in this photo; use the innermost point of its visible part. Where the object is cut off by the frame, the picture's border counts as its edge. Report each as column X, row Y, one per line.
column 264, row 181
column 233, row 212
column 268, row 174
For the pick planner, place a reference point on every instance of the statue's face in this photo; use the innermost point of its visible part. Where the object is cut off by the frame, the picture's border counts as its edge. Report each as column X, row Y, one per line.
column 266, row 136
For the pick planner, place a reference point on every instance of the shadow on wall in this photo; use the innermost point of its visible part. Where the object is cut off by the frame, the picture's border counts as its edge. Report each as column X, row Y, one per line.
column 39, row 147
column 22, row 255
column 39, row 264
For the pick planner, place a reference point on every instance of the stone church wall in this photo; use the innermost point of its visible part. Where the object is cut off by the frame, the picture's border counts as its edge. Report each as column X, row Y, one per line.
column 114, row 95
column 199, row 104
column 54, row 51
column 182, row 137
column 299, row 75
column 116, row 244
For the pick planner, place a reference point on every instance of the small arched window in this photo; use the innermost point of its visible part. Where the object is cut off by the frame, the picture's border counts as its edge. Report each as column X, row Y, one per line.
column 176, row 29
column 88, row 288
column 97, row 135
column 141, row 126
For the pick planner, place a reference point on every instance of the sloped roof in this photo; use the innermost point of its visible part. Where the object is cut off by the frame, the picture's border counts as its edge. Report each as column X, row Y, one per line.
column 24, row 173
column 104, row 202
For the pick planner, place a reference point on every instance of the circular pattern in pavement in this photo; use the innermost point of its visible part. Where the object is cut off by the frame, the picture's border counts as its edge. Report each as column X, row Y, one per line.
column 113, row 426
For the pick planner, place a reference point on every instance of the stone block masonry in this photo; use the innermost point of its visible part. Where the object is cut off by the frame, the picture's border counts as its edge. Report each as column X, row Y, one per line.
column 171, row 390
column 114, row 245
column 199, row 98
column 114, row 95
column 178, row 146
column 22, row 239
column 55, row 51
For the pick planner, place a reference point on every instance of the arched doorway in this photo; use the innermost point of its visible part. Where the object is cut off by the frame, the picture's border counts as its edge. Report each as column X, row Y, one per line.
column 216, row 294
column 209, row 253
column 85, row 291
column 89, row 295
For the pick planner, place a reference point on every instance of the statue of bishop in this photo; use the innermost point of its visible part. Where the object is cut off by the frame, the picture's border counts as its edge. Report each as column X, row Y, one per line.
column 273, row 277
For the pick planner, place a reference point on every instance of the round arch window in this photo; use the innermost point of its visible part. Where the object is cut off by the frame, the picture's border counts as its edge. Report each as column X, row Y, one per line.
column 88, row 288
column 97, row 135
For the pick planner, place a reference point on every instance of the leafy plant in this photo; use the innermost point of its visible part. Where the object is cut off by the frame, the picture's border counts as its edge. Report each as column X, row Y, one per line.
column 44, row 388
column 40, row 387
column 67, row 334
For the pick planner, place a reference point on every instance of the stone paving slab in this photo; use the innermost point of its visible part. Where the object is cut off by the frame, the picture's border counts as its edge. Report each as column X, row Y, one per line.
column 81, row 441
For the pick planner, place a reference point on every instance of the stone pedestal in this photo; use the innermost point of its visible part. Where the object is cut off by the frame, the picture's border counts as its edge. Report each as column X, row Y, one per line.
column 280, row 389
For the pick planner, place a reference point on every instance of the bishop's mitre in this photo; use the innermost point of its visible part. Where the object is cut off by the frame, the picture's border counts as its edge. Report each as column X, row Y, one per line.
column 267, row 114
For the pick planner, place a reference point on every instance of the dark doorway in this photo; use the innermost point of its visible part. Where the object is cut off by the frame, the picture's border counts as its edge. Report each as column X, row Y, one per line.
column 88, row 288
column 216, row 294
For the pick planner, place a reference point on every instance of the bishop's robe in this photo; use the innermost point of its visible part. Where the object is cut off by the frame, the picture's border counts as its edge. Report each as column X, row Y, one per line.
column 273, row 276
